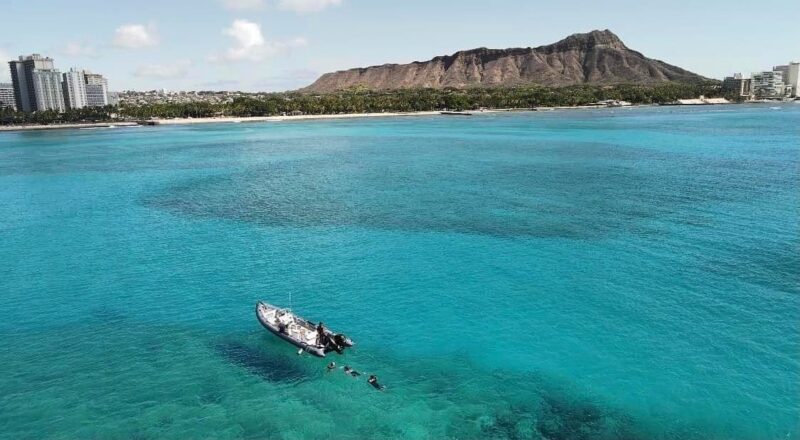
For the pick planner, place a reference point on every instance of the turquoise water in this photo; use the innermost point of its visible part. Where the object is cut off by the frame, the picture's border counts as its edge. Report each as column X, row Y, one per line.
column 612, row 274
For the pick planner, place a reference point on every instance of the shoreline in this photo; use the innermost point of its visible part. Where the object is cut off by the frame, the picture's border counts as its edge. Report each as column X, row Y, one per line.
column 213, row 120
column 244, row 119
column 248, row 119
column 36, row 127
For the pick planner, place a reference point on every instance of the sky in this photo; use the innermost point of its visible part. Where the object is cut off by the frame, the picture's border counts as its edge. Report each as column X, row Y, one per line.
column 275, row 45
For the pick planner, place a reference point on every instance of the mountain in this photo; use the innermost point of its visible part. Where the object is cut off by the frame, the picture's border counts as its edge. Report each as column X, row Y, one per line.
column 597, row 57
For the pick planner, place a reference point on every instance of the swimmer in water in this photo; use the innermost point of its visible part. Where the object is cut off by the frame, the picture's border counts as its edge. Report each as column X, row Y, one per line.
column 331, row 366
column 373, row 380
column 350, row 371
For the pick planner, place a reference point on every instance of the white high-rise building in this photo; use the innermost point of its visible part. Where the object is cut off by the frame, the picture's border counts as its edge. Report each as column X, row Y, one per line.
column 791, row 77
column 37, row 84
column 47, row 84
column 74, row 87
column 96, row 89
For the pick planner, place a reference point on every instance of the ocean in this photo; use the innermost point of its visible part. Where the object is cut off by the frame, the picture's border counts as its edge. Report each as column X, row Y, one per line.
column 593, row 274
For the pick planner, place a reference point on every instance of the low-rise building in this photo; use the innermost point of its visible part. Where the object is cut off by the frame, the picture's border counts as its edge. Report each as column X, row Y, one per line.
column 7, row 96
column 737, row 85
column 768, row 84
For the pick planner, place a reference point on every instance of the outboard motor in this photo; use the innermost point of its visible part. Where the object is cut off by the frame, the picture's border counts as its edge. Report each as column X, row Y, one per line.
column 334, row 344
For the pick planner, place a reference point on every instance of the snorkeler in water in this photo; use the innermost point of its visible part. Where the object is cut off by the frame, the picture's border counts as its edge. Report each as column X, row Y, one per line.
column 373, row 380
column 350, row 371
column 331, row 366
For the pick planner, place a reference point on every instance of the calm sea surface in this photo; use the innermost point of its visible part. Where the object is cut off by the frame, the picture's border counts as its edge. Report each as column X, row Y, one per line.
column 610, row 274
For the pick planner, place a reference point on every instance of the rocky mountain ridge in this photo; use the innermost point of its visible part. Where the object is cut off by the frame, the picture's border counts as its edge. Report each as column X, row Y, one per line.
column 595, row 58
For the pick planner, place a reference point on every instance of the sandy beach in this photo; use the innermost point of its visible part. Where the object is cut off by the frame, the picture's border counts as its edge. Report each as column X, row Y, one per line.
column 218, row 120
column 234, row 119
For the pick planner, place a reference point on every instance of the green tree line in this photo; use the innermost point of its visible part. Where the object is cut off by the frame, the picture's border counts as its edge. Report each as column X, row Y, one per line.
column 361, row 100
column 87, row 114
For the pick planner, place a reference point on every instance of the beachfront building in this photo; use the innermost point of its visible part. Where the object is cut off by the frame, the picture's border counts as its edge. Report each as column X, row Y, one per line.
column 791, row 78
column 74, row 88
column 768, row 84
column 7, row 99
column 737, row 84
column 47, row 85
column 96, row 89
column 37, row 84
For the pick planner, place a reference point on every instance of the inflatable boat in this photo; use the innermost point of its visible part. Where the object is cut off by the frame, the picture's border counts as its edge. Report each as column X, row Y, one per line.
column 299, row 332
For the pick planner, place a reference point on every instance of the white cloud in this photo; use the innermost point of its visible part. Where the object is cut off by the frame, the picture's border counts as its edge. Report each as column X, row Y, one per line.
column 78, row 50
column 304, row 6
column 301, row 6
column 287, row 80
column 242, row 5
column 221, row 84
column 250, row 45
column 135, row 36
column 248, row 40
column 179, row 69
column 280, row 46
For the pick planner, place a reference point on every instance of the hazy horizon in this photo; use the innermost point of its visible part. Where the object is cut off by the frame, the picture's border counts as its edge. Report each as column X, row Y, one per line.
column 276, row 45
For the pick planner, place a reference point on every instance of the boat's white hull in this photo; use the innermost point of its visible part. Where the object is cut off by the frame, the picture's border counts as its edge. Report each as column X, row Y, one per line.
column 296, row 331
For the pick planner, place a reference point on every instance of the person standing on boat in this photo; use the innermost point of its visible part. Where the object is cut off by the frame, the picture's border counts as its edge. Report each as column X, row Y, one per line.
column 321, row 337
